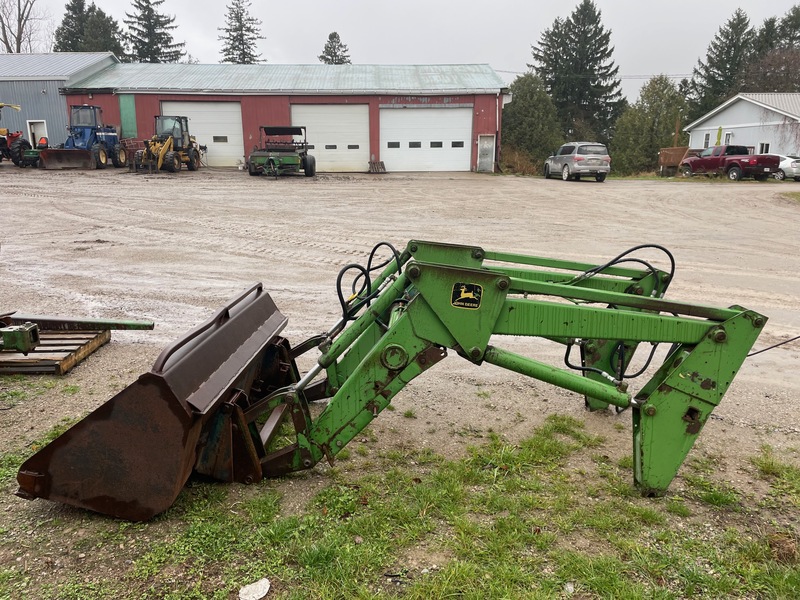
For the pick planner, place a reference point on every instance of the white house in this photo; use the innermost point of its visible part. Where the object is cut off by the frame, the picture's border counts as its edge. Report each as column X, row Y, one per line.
column 767, row 123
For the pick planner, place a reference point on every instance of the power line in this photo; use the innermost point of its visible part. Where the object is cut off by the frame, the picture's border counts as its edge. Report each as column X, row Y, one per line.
column 633, row 77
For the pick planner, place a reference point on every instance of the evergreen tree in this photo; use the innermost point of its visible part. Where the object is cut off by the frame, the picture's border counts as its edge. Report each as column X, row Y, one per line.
column 88, row 29
column 530, row 123
column 102, row 33
column 649, row 125
column 549, row 61
column 69, row 35
column 149, row 34
column 722, row 74
column 789, row 29
column 334, row 52
column 240, row 34
column 574, row 60
column 766, row 37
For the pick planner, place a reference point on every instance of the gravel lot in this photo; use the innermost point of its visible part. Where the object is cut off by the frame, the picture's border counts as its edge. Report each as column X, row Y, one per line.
column 173, row 248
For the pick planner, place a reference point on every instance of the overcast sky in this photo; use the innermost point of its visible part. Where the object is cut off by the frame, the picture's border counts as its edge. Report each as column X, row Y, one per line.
column 649, row 37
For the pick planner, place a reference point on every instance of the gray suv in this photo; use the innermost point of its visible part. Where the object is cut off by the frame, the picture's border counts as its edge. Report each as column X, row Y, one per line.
column 575, row 159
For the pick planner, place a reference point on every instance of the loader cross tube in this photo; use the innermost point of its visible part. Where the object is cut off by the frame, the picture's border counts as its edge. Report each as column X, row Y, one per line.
column 233, row 388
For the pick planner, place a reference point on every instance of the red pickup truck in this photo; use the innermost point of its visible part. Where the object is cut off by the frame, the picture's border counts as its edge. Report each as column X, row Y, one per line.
column 734, row 162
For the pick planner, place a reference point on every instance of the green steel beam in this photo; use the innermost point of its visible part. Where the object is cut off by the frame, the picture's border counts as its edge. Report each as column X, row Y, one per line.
column 553, row 263
column 673, row 407
column 580, row 321
column 652, row 304
column 549, row 374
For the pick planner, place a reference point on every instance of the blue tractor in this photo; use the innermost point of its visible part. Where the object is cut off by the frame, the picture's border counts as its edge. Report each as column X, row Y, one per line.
column 90, row 144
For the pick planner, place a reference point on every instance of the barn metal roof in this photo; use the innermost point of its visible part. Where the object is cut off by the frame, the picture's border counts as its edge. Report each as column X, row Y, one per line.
column 787, row 104
column 51, row 66
column 293, row 79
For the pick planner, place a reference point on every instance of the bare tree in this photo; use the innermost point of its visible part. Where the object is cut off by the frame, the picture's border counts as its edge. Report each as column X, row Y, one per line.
column 777, row 72
column 22, row 26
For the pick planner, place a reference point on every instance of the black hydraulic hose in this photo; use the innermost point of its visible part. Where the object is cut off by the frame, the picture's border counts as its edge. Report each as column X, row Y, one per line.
column 577, row 367
column 648, row 266
column 622, row 374
column 395, row 257
column 371, row 267
column 595, row 270
column 348, row 312
column 658, row 289
column 365, row 291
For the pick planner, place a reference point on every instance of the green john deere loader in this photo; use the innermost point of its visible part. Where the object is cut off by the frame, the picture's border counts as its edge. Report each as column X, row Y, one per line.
column 216, row 399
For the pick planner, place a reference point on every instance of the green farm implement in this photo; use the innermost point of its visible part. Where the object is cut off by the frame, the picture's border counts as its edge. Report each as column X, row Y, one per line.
column 281, row 151
column 217, row 399
column 22, row 337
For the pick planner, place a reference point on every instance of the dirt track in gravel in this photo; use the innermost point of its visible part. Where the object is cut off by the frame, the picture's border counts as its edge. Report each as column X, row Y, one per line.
column 173, row 248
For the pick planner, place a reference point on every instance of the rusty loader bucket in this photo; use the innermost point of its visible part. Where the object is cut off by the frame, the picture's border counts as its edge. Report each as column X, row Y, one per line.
column 59, row 158
column 131, row 457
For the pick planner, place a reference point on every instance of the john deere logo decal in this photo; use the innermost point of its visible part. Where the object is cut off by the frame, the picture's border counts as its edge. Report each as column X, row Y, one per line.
column 466, row 295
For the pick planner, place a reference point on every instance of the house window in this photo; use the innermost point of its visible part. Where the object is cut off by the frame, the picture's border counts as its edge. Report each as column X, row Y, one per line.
column 393, row 145
column 220, row 139
column 763, row 148
column 457, row 145
column 728, row 136
column 415, row 144
column 352, row 146
column 706, row 140
column 330, row 146
column 436, row 144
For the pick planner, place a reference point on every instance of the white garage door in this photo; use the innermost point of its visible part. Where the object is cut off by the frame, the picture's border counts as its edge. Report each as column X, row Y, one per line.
column 339, row 134
column 217, row 125
column 426, row 139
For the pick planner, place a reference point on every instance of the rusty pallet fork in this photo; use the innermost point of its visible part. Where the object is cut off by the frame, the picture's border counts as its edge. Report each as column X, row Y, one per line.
column 217, row 399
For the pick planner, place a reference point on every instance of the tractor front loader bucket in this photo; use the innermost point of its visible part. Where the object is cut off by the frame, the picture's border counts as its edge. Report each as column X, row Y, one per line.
column 60, row 158
column 131, row 457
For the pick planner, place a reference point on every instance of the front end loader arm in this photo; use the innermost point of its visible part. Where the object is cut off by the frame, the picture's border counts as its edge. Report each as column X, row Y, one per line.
column 228, row 401
column 166, row 146
column 431, row 307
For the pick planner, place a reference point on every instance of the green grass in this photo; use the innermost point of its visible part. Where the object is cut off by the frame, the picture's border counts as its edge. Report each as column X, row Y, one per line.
column 792, row 196
column 550, row 516
column 716, row 494
column 10, row 461
column 785, row 478
column 15, row 389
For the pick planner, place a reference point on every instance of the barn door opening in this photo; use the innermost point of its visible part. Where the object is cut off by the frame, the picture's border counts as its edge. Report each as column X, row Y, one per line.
column 36, row 131
column 486, row 153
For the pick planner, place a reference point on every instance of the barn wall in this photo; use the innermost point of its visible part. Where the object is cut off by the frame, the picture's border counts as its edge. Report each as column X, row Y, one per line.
column 276, row 110
column 487, row 112
column 262, row 110
column 40, row 101
column 107, row 102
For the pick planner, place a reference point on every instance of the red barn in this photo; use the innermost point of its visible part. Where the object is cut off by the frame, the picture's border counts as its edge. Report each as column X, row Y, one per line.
column 411, row 117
